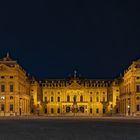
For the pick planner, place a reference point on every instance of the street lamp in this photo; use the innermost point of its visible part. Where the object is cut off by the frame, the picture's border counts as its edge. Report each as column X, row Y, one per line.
column 128, row 109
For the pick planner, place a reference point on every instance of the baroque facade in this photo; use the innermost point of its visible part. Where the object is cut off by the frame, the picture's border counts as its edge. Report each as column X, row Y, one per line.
column 72, row 96
column 14, row 88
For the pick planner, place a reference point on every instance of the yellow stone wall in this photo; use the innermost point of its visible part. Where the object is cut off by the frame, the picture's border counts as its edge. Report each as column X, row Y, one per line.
column 11, row 74
column 22, row 95
column 75, row 87
column 129, row 96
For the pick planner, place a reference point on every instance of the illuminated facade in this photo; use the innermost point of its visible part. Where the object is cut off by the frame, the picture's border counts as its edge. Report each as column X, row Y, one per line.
column 130, row 90
column 72, row 96
column 14, row 88
column 76, row 96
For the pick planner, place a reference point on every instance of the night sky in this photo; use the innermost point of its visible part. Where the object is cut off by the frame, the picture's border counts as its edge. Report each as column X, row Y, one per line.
column 51, row 39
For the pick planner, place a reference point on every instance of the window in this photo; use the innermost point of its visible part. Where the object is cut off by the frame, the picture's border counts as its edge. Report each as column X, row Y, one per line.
column 11, row 77
column 91, row 110
column 58, row 99
column 2, row 77
column 11, row 88
column 68, row 98
column 2, row 88
column 2, row 107
column 52, row 111
column 11, row 97
column 45, row 111
column 74, row 98
column 90, row 99
column 103, row 99
column 103, row 110
column 97, row 99
column 81, row 98
column 51, row 99
column 11, row 107
column 138, row 107
column 97, row 110
column 58, row 110
column 45, row 99
column 137, row 88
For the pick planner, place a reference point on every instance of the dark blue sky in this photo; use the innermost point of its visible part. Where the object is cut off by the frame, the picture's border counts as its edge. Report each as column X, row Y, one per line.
column 50, row 39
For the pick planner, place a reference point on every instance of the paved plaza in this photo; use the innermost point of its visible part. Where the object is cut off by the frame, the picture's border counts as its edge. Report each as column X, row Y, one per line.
column 66, row 128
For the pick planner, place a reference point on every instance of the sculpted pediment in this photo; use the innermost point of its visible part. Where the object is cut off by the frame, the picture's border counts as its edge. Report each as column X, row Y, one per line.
column 74, row 85
column 4, row 68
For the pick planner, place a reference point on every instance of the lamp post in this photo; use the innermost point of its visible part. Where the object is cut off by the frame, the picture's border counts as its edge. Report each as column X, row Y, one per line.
column 128, row 109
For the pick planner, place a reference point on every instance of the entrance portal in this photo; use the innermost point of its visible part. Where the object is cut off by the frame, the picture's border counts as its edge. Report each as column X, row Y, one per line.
column 68, row 109
column 82, row 109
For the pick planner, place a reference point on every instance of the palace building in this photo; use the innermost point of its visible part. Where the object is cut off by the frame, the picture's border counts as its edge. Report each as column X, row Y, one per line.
column 72, row 96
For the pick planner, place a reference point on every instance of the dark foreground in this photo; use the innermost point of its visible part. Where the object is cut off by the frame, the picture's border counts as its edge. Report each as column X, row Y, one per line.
column 69, row 129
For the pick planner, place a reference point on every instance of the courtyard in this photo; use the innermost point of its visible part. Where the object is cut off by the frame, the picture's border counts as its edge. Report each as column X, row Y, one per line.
column 67, row 128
